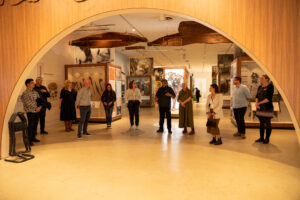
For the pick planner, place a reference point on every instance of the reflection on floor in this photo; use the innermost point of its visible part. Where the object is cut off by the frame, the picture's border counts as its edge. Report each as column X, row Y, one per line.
column 141, row 164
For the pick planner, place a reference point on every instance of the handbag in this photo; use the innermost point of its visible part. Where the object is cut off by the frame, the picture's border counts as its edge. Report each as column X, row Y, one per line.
column 260, row 113
column 211, row 122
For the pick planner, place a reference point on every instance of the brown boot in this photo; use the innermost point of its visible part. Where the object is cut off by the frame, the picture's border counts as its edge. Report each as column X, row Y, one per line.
column 237, row 134
column 67, row 126
column 192, row 132
column 70, row 126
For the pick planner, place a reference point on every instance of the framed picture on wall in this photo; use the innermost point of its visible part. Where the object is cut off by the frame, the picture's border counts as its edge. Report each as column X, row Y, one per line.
column 141, row 66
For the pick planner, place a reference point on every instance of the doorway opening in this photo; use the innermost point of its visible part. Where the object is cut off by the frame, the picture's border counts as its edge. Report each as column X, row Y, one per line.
column 197, row 59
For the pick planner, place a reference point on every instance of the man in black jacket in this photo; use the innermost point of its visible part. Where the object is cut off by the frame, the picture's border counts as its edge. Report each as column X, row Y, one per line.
column 44, row 94
column 163, row 97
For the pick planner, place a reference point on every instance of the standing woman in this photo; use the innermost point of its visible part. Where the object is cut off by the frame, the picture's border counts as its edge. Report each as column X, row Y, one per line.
column 133, row 99
column 214, row 112
column 186, row 118
column 264, row 108
column 108, row 99
column 67, row 105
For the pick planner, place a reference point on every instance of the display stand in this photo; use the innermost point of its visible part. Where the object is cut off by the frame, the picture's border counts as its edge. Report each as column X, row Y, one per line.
column 99, row 75
column 175, row 77
column 250, row 73
column 144, row 83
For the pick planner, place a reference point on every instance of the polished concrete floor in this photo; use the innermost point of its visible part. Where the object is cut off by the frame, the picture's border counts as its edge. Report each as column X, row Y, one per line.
column 141, row 164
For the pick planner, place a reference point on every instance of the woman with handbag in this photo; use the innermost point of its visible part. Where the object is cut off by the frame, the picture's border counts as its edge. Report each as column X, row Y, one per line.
column 108, row 99
column 264, row 108
column 214, row 112
column 133, row 99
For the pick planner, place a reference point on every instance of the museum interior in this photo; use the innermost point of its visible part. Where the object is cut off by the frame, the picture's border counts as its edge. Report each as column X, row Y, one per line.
column 125, row 162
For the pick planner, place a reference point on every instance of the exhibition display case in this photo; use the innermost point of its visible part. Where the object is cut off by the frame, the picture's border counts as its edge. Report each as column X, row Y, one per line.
column 250, row 73
column 175, row 77
column 99, row 75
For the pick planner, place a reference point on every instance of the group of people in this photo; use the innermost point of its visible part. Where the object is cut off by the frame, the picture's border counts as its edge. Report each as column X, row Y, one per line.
column 70, row 98
column 240, row 98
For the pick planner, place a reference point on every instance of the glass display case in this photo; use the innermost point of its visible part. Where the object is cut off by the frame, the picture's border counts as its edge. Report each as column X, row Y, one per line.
column 250, row 73
column 175, row 77
column 144, row 83
column 99, row 75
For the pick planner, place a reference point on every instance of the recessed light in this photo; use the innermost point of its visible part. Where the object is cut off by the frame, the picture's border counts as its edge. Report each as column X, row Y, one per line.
column 133, row 30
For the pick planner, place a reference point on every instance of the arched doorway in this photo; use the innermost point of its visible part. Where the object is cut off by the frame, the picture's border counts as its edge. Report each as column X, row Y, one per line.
column 79, row 23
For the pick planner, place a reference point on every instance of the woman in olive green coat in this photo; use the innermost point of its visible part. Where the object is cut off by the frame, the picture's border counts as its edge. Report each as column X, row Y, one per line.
column 186, row 118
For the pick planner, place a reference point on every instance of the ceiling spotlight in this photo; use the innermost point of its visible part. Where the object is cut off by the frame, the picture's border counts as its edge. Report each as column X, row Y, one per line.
column 133, row 30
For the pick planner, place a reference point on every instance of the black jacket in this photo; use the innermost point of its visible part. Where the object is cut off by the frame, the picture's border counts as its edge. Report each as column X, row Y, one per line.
column 42, row 101
column 163, row 100
column 109, row 97
column 265, row 93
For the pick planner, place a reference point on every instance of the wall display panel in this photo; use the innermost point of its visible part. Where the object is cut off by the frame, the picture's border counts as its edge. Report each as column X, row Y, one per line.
column 233, row 73
column 93, row 55
column 250, row 73
column 96, row 74
column 175, row 77
column 215, row 74
column 158, row 76
column 141, row 66
column 224, row 77
column 99, row 75
column 144, row 83
column 114, row 79
column 224, row 63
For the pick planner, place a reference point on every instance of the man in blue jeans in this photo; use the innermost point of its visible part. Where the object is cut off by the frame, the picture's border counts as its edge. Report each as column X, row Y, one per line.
column 240, row 97
column 83, row 102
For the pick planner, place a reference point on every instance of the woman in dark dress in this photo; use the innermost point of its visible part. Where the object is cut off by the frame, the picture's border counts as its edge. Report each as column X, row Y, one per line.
column 108, row 99
column 67, row 105
column 264, row 108
column 186, row 117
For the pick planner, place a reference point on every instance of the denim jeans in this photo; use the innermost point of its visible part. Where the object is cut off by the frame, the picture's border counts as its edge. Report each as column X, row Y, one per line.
column 108, row 113
column 85, row 113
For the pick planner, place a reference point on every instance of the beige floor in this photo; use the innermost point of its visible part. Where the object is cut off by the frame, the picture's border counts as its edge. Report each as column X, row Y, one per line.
column 140, row 164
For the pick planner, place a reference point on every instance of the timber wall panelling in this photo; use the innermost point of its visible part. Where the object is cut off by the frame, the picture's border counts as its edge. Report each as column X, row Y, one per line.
column 266, row 29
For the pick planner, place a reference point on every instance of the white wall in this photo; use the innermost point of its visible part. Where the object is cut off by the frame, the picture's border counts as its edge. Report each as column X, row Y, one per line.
column 202, row 73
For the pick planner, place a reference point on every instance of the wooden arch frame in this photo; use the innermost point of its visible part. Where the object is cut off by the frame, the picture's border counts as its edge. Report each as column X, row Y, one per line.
column 187, row 9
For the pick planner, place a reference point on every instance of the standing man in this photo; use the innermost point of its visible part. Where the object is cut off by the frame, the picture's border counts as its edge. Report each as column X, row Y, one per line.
column 83, row 102
column 163, row 97
column 241, row 95
column 44, row 94
column 197, row 94
column 29, row 99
